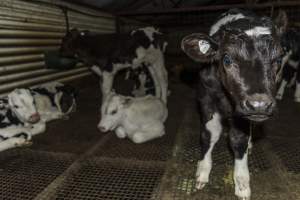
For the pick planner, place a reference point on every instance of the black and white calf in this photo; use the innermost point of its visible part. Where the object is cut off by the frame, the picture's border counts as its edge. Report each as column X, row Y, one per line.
column 107, row 54
column 24, row 112
column 18, row 119
column 242, row 52
column 290, row 69
column 54, row 100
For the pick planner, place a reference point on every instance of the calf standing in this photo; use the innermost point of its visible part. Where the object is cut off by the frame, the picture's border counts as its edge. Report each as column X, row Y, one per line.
column 290, row 69
column 237, row 85
column 140, row 119
column 107, row 54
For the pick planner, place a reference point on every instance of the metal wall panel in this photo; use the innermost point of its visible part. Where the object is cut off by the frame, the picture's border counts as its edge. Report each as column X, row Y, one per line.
column 28, row 28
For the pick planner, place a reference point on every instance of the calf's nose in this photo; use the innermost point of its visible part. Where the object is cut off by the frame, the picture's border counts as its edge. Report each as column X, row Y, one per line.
column 258, row 103
column 34, row 118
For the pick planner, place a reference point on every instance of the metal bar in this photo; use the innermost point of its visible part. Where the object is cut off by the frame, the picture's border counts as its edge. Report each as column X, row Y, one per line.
column 20, row 15
column 25, row 50
column 23, row 75
column 19, row 67
column 23, row 33
column 40, row 79
column 8, row 22
column 21, row 58
column 28, row 42
column 210, row 8
column 53, row 13
column 52, row 7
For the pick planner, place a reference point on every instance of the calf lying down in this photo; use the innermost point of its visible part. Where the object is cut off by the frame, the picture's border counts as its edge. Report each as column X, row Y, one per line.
column 54, row 100
column 140, row 119
column 24, row 112
column 18, row 119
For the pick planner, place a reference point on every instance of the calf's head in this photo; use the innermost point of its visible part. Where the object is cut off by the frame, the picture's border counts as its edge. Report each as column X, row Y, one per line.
column 72, row 42
column 246, row 51
column 22, row 104
column 112, row 111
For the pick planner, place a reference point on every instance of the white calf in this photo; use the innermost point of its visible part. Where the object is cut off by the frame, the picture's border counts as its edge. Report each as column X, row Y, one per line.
column 140, row 119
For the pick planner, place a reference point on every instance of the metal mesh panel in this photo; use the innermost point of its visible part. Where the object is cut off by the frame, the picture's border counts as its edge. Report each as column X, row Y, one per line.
column 159, row 149
column 112, row 180
column 289, row 153
column 25, row 173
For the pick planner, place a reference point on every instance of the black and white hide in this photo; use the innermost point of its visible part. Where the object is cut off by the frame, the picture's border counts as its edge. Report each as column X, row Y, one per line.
column 290, row 70
column 54, row 100
column 144, row 84
column 19, row 119
column 107, row 54
column 237, row 85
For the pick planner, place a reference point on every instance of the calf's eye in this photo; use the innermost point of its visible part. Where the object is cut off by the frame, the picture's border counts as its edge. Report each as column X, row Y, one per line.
column 227, row 61
column 16, row 106
column 113, row 112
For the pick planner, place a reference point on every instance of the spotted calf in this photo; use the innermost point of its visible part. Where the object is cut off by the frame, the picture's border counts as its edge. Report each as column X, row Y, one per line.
column 241, row 57
column 290, row 69
column 106, row 54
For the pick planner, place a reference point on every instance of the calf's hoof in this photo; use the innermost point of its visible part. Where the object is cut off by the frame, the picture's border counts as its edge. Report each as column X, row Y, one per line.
column 202, row 175
column 242, row 188
column 200, row 185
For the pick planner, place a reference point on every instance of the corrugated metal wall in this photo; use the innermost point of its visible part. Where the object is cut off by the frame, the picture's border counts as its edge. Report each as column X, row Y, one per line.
column 29, row 28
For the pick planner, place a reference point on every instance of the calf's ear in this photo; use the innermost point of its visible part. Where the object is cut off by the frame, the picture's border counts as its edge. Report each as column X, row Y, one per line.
column 281, row 22
column 199, row 47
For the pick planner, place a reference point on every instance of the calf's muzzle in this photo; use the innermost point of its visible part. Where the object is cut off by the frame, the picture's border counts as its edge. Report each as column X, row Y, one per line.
column 257, row 107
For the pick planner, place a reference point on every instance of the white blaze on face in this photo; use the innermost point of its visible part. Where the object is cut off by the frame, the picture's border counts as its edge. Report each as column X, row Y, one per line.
column 22, row 104
column 111, row 112
column 258, row 30
column 225, row 20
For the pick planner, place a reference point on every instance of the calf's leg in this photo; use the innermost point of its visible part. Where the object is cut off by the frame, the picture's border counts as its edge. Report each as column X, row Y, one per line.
column 209, row 137
column 239, row 143
column 107, row 84
column 120, row 132
column 281, row 89
column 157, row 130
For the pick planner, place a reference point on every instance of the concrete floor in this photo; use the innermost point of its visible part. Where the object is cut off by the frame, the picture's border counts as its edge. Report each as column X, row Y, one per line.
column 73, row 160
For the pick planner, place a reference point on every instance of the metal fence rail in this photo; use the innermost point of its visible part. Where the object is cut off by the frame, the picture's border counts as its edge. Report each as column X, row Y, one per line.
column 29, row 28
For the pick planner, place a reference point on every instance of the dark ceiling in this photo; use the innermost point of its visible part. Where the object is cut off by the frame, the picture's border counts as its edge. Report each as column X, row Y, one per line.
column 121, row 6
